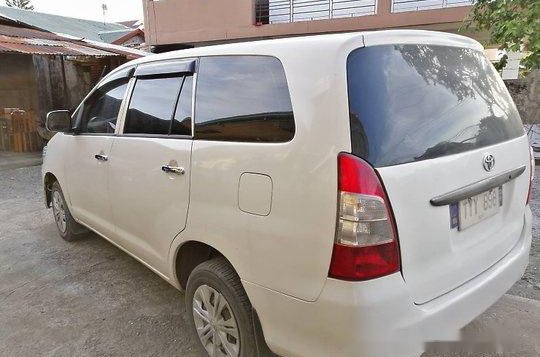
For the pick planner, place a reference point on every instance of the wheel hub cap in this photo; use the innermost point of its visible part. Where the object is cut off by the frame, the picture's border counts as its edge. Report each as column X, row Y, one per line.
column 215, row 323
column 59, row 211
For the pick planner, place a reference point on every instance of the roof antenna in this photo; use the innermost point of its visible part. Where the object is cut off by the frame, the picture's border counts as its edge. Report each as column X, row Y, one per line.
column 104, row 8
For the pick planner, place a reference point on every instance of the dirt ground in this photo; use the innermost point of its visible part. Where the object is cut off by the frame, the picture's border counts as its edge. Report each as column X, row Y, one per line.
column 90, row 299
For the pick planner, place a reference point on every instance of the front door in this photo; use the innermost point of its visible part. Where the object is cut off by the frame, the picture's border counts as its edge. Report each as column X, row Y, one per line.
column 150, row 162
column 87, row 179
column 88, row 154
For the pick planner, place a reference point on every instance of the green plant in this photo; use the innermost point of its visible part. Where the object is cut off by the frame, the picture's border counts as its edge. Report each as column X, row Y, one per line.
column 514, row 25
column 21, row 4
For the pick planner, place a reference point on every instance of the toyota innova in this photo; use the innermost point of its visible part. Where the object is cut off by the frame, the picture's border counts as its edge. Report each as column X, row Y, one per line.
column 350, row 194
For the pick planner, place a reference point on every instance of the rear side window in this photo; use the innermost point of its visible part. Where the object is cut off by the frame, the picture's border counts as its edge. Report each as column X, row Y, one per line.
column 415, row 102
column 155, row 104
column 243, row 98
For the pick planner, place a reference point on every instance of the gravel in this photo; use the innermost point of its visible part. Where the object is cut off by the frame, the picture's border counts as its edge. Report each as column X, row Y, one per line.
column 90, row 299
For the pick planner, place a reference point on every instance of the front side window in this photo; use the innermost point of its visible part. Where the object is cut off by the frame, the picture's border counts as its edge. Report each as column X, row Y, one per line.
column 160, row 106
column 243, row 98
column 100, row 110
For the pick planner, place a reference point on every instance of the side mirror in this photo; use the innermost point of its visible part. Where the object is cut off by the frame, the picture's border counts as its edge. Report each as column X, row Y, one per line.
column 58, row 120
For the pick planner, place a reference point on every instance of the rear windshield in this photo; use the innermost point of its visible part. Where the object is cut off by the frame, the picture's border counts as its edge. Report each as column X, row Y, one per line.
column 416, row 102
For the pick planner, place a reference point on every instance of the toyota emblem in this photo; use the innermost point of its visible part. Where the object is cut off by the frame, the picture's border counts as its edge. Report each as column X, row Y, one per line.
column 489, row 162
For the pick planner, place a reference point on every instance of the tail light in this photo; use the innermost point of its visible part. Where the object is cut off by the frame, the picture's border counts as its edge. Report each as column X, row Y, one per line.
column 366, row 244
column 531, row 177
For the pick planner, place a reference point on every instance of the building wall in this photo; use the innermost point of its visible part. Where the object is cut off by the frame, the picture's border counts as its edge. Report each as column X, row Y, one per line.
column 526, row 95
column 42, row 83
column 206, row 21
column 39, row 84
column 63, row 83
column 18, row 85
column 195, row 20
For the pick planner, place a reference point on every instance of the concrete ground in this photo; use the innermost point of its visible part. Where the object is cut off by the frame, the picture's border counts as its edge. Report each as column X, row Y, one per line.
column 13, row 160
column 90, row 299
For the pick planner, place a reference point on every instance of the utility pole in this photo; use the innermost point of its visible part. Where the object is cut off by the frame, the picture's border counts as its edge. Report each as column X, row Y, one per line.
column 104, row 8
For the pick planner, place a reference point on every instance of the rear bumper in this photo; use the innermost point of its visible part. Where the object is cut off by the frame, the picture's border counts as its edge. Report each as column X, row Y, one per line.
column 379, row 317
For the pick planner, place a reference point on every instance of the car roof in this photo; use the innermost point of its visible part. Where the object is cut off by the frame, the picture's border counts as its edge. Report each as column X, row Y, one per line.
column 310, row 46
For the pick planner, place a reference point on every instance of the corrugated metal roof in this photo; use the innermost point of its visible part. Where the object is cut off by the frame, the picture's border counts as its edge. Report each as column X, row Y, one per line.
column 111, row 36
column 49, row 47
column 30, row 41
column 13, row 31
column 133, row 33
column 126, row 51
column 60, row 24
column 132, row 23
column 35, row 49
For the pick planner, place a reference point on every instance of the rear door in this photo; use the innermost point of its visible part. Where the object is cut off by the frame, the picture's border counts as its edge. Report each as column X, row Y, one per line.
column 443, row 133
column 150, row 161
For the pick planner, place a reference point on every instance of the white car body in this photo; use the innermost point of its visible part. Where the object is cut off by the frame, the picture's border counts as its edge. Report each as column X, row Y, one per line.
column 533, row 132
column 282, row 246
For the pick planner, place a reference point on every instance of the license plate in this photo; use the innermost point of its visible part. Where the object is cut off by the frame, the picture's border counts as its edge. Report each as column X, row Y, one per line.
column 479, row 207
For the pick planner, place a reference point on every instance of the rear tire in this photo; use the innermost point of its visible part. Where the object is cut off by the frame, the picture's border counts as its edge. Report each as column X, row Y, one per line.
column 220, row 311
column 68, row 229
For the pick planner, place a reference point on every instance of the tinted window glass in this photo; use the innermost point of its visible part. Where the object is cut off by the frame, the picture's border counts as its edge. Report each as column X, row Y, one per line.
column 100, row 110
column 181, row 124
column 417, row 102
column 152, row 105
column 243, row 98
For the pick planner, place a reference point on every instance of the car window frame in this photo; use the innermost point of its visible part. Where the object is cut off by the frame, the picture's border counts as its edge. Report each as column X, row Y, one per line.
column 129, row 95
column 83, row 112
column 116, row 75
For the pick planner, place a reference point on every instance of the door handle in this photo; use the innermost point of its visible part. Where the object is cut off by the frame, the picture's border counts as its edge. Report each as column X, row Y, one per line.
column 173, row 169
column 101, row 157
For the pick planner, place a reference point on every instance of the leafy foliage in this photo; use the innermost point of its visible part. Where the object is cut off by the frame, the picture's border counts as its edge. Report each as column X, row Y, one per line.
column 21, row 4
column 512, row 24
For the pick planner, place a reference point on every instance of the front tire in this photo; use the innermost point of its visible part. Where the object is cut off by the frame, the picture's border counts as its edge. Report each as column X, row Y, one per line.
column 68, row 229
column 221, row 314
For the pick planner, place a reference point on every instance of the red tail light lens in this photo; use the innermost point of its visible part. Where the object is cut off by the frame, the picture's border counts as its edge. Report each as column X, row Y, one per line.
column 366, row 245
column 531, row 177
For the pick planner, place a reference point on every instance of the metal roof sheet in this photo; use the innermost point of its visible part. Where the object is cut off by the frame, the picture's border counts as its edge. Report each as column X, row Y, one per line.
column 111, row 36
column 14, row 31
column 49, row 47
column 130, row 53
column 35, row 49
column 60, row 24
column 25, row 40
column 133, row 33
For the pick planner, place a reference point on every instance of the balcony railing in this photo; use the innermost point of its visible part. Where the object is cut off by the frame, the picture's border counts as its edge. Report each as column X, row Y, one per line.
column 283, row 11
column 416, row 5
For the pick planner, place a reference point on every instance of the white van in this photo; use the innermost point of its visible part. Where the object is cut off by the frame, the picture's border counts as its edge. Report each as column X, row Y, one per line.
column 338, row 195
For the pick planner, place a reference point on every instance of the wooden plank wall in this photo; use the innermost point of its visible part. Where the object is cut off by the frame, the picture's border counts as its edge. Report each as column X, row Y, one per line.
column 51, row 91
column 39, row 84
column 63, row 83
column 18, row 87
column 18, row 131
